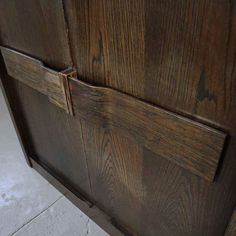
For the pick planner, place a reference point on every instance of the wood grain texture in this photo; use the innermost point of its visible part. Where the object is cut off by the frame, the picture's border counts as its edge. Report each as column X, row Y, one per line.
column 116, row 177
column 190, row 57
column 187, row 143
column 54, row 138
column 100, row 63
column 107, row 38
column 231, row 229
column 32, row 21
column 34, row 74
column 175, row 64
column 176, row 54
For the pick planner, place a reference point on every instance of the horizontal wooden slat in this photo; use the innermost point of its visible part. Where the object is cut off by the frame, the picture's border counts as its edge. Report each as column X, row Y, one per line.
column 189, row 144
column 33, row 73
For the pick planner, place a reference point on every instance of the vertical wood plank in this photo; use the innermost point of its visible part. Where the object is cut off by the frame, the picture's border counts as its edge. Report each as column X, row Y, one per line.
column 115, row 166
column 178, row 54
column 190, row 57
column 179, row 43
column 107, row 38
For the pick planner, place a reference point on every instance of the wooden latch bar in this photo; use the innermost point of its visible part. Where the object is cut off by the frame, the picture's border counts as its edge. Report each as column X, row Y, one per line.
column 34, row 74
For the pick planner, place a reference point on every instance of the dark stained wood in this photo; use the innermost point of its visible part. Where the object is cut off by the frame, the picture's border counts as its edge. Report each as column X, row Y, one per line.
column 179, row 55
column 54, row 138
column 116, row 177
column 174, row 41
column 190, row 57
column 189, row 144
column 87, row 21
column 34, row 74
column 231, row 229
column 107, row 38
column 58, row 145
column 32, row 21
column 190, row 67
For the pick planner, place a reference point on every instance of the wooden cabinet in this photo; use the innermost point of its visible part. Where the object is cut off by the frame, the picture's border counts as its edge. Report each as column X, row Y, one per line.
column 129, row 104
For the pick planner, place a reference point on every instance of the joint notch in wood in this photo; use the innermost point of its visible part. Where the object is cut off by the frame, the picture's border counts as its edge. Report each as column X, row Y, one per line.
column 64, row 76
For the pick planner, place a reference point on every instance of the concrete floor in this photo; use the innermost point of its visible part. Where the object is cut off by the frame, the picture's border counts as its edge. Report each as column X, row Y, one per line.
column 29, row 205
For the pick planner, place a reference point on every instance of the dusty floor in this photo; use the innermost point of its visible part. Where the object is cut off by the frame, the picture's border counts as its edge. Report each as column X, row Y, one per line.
column 29, row 205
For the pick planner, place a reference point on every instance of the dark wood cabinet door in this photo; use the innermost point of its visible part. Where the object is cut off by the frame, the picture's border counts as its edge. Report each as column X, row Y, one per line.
column 38, row 29
column 152, row 139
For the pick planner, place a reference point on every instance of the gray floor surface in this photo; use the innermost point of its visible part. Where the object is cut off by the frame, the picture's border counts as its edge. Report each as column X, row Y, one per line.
column 29, row 205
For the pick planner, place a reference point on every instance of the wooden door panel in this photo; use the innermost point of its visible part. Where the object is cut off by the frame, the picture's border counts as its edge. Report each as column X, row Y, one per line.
column 177, row 55
column 189, row 144
column 193, row 67
column 111, row 157
column 164, row 52
column 54, row 145
column 35, row 74
column 37, row 28
column 107, row 38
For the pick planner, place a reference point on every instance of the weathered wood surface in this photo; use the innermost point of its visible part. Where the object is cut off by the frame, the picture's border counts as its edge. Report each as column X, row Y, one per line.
column 189, row 144
column 34, row 74
column 53, row 137
column 176, row 54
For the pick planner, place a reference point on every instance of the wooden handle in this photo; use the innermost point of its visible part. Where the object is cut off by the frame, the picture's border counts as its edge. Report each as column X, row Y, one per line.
column 33, row 73
column 189, row 144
